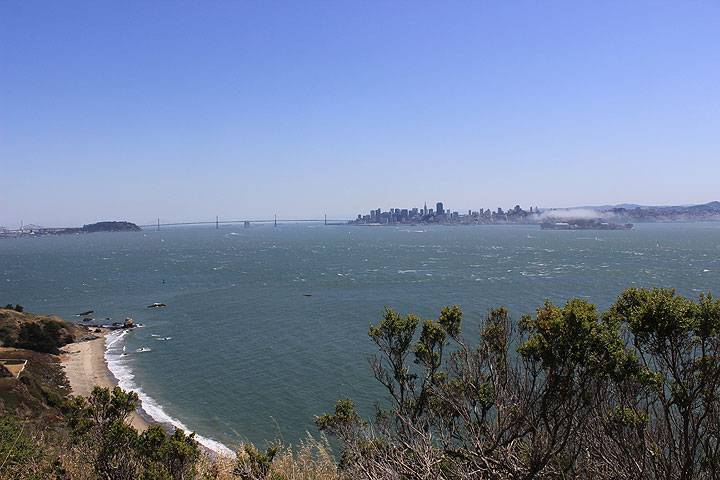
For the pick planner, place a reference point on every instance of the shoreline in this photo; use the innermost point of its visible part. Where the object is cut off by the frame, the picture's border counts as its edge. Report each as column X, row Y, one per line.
column 85, row 367
column 85, row 364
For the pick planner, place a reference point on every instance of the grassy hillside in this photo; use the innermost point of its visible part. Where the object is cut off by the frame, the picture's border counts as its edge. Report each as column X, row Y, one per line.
column 40, row 390
column 42, row 387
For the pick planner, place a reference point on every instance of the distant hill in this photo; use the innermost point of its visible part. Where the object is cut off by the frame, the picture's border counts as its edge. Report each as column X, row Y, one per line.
column 714, row 206
column 647, row 213
column 111, row 227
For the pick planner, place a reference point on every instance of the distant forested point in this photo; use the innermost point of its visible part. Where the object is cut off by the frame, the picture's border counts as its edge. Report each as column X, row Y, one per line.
column 111, row 227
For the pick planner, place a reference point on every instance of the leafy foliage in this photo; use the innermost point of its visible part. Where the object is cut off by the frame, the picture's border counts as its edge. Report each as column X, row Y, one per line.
column 115, row 450
column 565, row 393
column 43, row 336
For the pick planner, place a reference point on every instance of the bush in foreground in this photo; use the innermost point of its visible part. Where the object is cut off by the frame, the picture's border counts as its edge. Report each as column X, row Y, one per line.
column 110, row 448
column 105, row 446
column 631, row 393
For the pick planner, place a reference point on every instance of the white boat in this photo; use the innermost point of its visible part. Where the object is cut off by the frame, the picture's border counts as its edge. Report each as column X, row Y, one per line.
column 143, row 349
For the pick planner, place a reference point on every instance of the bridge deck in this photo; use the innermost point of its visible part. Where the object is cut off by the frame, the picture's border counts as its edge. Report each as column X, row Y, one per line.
column 227, row 222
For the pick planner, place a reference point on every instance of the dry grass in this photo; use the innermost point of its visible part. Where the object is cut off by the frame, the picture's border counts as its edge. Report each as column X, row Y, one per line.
column 312, row 459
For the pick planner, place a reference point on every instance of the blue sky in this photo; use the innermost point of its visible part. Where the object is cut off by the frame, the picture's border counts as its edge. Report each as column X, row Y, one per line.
column 187, row 110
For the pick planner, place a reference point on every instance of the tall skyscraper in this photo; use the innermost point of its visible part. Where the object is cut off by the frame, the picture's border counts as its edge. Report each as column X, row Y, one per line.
column 439, row 208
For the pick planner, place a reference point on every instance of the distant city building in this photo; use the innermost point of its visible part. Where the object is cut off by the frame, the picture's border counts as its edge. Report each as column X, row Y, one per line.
column 442, row 215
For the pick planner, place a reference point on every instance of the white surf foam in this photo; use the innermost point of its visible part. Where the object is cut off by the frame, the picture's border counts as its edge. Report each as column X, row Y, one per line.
column 122, row 372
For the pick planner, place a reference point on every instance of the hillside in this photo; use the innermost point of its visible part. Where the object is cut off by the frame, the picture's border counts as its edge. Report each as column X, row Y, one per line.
column 41, row 388
column 37, row 332
column 673, row 213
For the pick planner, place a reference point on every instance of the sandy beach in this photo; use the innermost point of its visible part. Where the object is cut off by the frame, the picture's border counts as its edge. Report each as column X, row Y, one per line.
column 85, row 367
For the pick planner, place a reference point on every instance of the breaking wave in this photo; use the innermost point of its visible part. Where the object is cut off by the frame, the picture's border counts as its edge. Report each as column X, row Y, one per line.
column 122, row 372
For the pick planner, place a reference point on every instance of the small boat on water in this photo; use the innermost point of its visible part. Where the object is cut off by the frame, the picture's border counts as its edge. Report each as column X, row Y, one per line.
column 88, row 319
column 143, row 350
column 156, row 305
column 163, row 339
column 83, row 314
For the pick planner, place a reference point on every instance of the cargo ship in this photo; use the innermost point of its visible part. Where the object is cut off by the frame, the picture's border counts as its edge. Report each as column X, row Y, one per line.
column 595, row 224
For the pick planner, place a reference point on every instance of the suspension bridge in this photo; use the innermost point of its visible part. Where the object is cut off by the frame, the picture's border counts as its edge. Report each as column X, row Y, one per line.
column 217, row 222
column 30, row 229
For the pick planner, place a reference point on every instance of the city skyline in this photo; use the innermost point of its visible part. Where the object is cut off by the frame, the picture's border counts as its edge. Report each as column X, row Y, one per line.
column 139, row 111
column 441, row 213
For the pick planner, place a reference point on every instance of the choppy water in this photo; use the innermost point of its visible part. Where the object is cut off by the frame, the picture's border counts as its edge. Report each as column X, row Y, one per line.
column 252, row 358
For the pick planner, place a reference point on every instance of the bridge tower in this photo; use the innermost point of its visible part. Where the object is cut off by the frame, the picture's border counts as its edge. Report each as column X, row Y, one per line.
column 217, row 223
column 275, row 220
column 158, row 224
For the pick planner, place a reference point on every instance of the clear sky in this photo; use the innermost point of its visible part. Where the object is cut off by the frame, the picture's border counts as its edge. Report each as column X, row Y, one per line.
column 187, row 110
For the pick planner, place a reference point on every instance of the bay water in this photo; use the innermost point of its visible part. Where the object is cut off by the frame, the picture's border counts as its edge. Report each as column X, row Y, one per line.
column 266, row 326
